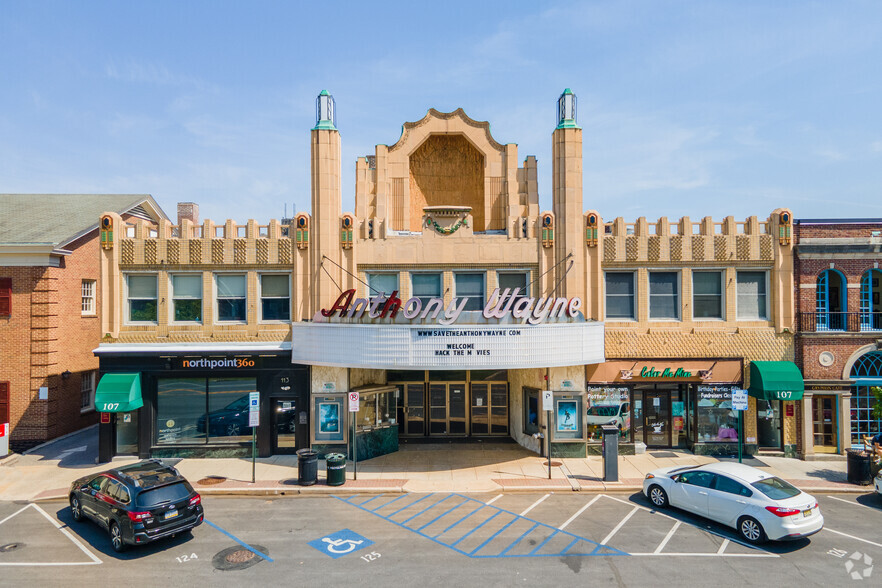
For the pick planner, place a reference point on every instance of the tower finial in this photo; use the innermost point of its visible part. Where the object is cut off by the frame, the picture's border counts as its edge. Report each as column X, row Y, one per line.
column 325, row 112
column 566, row 110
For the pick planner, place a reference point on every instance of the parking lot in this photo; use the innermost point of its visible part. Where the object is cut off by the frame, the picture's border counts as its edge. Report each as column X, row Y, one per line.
column 540, row 538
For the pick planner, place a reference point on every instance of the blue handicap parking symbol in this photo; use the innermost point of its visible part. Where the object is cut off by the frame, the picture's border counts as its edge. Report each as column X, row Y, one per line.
column 341, row 543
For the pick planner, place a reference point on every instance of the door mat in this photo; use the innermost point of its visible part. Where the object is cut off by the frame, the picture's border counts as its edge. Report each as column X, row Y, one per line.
column 663, row 454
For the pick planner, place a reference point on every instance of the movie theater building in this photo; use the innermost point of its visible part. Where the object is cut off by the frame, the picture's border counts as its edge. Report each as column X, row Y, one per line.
column 448, row 301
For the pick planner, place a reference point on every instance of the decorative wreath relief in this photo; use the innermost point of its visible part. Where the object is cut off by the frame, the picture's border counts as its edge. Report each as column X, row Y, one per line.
column 462, row 222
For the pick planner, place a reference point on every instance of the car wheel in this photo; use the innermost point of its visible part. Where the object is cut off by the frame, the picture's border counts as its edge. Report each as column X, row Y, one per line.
column 116, row 539
column 76, row 510
column 658, row 496
column 233, row 430
column 750, row 529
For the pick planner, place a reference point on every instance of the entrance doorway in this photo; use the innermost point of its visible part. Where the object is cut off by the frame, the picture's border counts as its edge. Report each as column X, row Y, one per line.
column 824, row 425
column 451, row 404
column 768, row 424
column 285, row 427
column 656, row 418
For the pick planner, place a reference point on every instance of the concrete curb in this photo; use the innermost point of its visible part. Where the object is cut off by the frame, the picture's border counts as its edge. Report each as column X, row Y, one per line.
column 9, row 459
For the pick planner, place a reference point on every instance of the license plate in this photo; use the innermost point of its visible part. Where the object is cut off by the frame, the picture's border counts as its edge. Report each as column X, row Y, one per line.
column 807, row 513
column 171, row 514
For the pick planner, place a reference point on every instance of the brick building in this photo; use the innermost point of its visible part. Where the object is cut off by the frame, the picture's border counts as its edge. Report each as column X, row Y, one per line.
column 450, row 302
column 840, row 329
column 50, row 308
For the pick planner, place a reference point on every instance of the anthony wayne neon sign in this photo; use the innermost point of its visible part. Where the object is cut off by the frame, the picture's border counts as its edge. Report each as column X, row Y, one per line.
column 498, row 306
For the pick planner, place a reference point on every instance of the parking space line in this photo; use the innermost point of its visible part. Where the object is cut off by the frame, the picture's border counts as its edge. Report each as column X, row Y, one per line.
column 382, row 505
column 535, row 504
column 853, row 503
column 461, row 520
column 64, row 531
column 723, row 547
column 491, row 501
column 426, row 509
column 667, row 537
column 763, row 554
column 541, row 545
column 442, row 515
column 578, row 512
column 620, row 525
column 25, row 507
column 512, row 546
column 458, row 541
column 370, row 500
column 493, row 536
column 239, row 541
column 852, row 537
column 426, row 497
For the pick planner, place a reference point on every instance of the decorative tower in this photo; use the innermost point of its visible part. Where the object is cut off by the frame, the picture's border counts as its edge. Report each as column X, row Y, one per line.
column 567, row 200
column 325, row 248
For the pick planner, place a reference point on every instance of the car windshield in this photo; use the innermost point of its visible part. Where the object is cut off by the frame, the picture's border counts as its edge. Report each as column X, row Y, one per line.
column 776, row 488
column 606, row 411
column 164, row 494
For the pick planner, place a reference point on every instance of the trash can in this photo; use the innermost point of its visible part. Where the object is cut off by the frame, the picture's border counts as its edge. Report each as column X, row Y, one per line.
column 336, row 469
column 307, row 467
column 610, row 451
column 858, row 467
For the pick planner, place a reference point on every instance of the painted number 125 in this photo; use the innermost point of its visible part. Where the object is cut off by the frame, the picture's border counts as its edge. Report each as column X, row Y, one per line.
column 371, row 556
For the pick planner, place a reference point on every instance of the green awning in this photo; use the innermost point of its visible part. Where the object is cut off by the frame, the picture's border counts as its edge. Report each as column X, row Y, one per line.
column 118, row 393
column 775, row 380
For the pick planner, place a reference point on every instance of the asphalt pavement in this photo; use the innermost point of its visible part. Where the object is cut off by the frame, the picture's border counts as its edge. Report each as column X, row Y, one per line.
column 443, row 538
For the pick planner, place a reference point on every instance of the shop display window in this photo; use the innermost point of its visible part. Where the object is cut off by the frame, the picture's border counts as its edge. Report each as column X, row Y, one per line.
column 608, row 405
column 716, row 420
column 203, row 410
column 376, row 410
column 228, row 409
column 329, row 415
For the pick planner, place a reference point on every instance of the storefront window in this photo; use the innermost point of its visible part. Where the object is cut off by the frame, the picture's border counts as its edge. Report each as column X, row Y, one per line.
column 609, row 405
column 376, row 410
column 228, row 409
column 717, row 421
column 180, row 411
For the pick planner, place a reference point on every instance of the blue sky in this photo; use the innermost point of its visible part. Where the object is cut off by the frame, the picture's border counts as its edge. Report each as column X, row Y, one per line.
column 687, row 108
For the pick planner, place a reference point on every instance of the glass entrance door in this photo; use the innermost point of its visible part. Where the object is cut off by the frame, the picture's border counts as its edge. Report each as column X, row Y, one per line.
column 768, row 423
column 447, row 408
column 824, row 423
column 413, row 409
column 656, row 419
column 285, row 427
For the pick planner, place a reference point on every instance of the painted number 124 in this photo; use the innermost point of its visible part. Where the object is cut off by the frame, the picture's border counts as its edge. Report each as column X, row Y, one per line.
column 371, row 556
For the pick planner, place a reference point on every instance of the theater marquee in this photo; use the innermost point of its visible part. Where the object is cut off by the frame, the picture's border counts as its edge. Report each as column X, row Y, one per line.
column 426, row 347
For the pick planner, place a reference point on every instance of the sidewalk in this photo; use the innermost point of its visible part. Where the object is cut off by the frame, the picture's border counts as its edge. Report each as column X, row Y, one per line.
column 47, row 471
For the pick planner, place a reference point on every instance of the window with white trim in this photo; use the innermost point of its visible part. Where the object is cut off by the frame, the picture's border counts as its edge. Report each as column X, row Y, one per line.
column 141, row 298
column 707, row 295
column 187, row 298
column 752, row 296
column 275, row 297
column 231, row 297
column 88, row 297
column 620, row 295
column 87, row 391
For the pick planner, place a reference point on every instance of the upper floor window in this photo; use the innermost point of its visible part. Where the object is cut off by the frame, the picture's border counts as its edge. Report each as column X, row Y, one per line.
column 87, row 391
column 426, row 286
column 5, row 296
column 871, row 304
column 87, row 294
column 141, row 298
column 751, row 291
column 514, row 280
column 664, row 297
column 470, row 286
column 830, row 301
column 187, row 297
column 275, row 297
column 231, row 297
column 382, row 284
column 620, row 295
column 707, row 295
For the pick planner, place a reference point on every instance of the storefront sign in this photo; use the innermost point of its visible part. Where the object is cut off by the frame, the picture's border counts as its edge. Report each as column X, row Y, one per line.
column 466, row 347
column 650, row 372
column 788, row 410
column 211, row 363
column 533, row 310
column 105, row 418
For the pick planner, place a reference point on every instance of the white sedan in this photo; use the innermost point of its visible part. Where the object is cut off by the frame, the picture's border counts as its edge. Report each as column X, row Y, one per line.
column 758, row 505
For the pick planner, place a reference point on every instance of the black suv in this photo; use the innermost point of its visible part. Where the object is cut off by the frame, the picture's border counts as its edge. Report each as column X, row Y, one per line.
column 137, row 503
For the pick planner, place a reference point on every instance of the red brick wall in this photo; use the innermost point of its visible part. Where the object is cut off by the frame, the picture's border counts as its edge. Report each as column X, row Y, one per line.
column 45, row 336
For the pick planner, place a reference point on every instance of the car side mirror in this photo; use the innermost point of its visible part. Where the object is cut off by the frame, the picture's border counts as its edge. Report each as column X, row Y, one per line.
column 676, row 479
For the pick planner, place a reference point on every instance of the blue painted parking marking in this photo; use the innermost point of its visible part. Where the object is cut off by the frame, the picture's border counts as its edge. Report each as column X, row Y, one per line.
column 341, row 543
column 491, row 545
column 239, row 541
